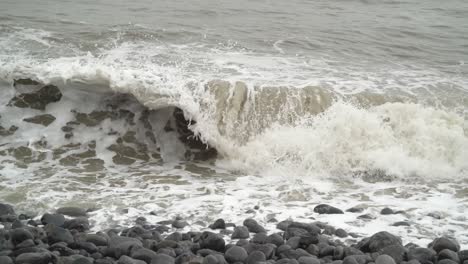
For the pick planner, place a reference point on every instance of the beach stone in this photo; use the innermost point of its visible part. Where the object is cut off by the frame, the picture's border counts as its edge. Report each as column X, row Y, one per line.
column 311, row 228
column 144, row 254
column 218, row 224
column 308, row 260
column 283, row 225
column 448, row 254
column 463, row 255
column 210, row 259
column 56, row 219
column 33, row 258
column 212, row 241
column 341, row 233
column 37, row 100
column 307, row 239
column 401, row 223
column 26, row 244
column 107, row 260
column 76, row 259
column 382, row 239
column 313, row 249
column 446, row 261
column 356, row 209
column 255, row 256
column 366, row 217
column 6, row 209
column 179, row 224
column 18, row 235
column 71, row 211
column 423, row 255
column 397, row 252
column 387, row 211
column 80, row 223
column 88, row 246
column 384, row 259
column 442, row 243
column 57, row 234
column 326, row 251
column 259, row 238
column 236, row 254
column 128, row 260
column 98, row 240
column 350, row 260
column 293, row 242
column 240, row 232
column 168, row 251
column 5, row 260
column 119, row 245
column 45, row 119
column 327, row 209
column 275, row 239
column 294, row 232
column 338, row 253
column 253, row 226
column 162, row 259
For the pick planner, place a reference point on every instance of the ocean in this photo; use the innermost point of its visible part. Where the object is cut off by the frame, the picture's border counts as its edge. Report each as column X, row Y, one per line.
column 261, row 108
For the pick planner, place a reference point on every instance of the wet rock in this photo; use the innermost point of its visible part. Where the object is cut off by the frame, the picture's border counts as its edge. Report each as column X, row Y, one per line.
column 447, row 261
column 366, row 217
column 401, row 223
column 179, row 224
column 26, row 244
column 235, row 254
column 80, row 223
column 275, row 239
column 448, row 254
column 423, row 255
column 45, row 119
column 57, row 234
column 384, row 259
column 36, row 258
column 72, row 211
column 163, row 259
column 283, row 225
column 311, row 228
column 128, row 260
column 327, row 209
column 387, row 211
column 218, row 224
column 356, row 209
column 397, row 252
column 212, row 241
column 338, row 253
column 463, row 255
column 19, row 235
column 76, row 259
column 308, row 260
column 56, row 219
column 144, row 254
column 168, row 251
column 4, row 132
column 98, row 240
column 350, row 260
column 341, row 233
column 5, row 260
column 442, row 243
column 436, row 215
column 6, row 209
column 240, row 232
column 259, row 238
column 295, row 232
column 37, row 100
column 382, row 239
column 253, row 226
column 255, row 256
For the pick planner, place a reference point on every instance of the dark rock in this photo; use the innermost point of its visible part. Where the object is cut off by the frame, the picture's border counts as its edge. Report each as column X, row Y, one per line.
column 387, row 211
column 306, row 240
column 240, row 232
column 80, row 223
column 350, row 260
column 218, row 224
column 338, row 253
column 143, row 254
column 255, row 256
column 366, row 217
column 37, row 100
column 463, row 255
column 88, row 246
column 33, row 258
column 447, row 261
column 267, row 249
column 384, row 259
column 6, row 209
column 341, row 233
column 26, row 244
column 5, row 260
column 423, row 255
column 327, row 209
column 212, row 241
column 19, row 235
column 57, row 234
column 119, row 245
column 45, row 119
column 235, row 254
column 179, row 224
column 295, row 232
column 356, row 209
column 283, row 225
column 326, row 251
column 308, row 260
column 128, row 260
column 313, row 249
column 176, row 236
column 56, row 219
column 382, row 239
column 210, row 259
column 448, row 254
column 401, row 223
column 442, row 243
column 98, row 240
column 108, row 260
column 76, row 259
column 167, row 244
column 293, row 242
column 311, row 228
column 275, row 239
column 253, row 226
column 162, row 259
column 168, row 251
column 397, row 252
column 260, row 238
column 72, row 211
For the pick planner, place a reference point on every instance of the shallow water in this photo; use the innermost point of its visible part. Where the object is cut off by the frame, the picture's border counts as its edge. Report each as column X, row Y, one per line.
column 209, row 109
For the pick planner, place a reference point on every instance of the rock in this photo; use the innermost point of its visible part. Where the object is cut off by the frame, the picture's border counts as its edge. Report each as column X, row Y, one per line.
column 448, row 254
column 98, row 240
column 295, row 232
column 275, row 239
column 19, row 235
column 366, row 217
column 327, row 209
column 34, row 258
column 384, row 259
column 356, row 209
column 144, row 254
column 463, row 255
column 259, row 238
column 338, row 253
column 212, row 241
column 128, row 260
column 283, row 225
column 442, row 243
column 341, row 233
column 235, row 254
column 447, row 261
column 56, row 219
column 253, row 226
column 6, row 209
column 76, row 259
column 387, row 211
column 45, row 119
column 71, row 211
column 311, row 228
column 293, row 242
column 37, row 100
column 119, row 245
column 255, row 256
column 423, row 255
column 382, row 239
column 57, row 234
column 179, row 224
column 5, row 260
column 350, row 260
column 401, row 223
column 308, row 260
column 163, row 259
column 397, row 252
column 167, row 251
column 240, row 232
column 218, row 224
column 80, row 223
